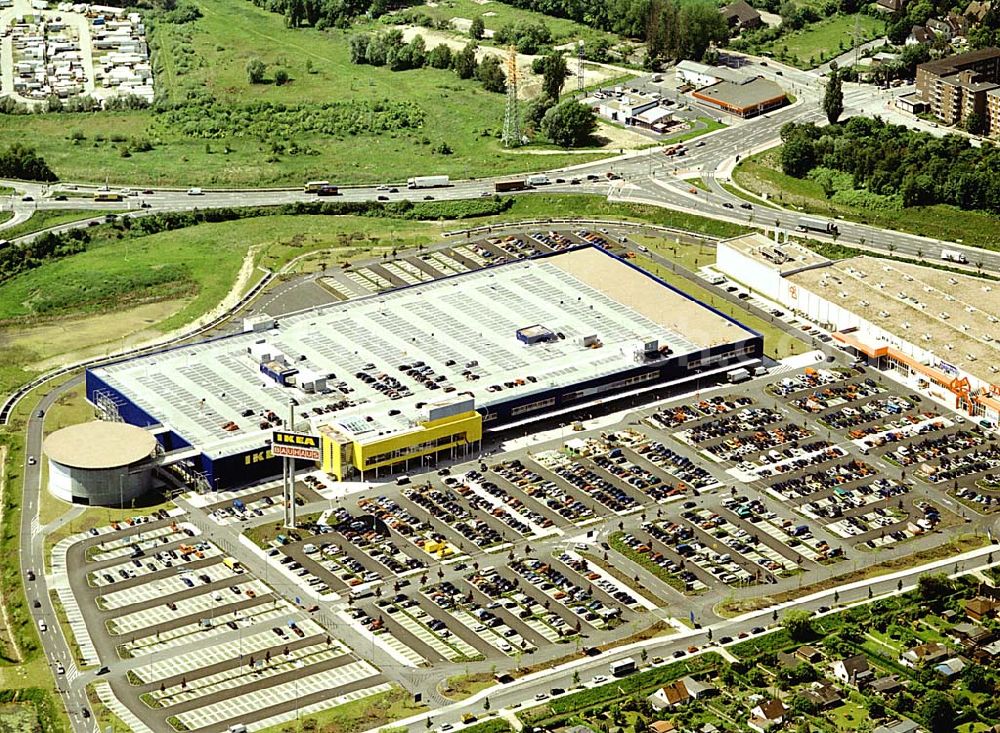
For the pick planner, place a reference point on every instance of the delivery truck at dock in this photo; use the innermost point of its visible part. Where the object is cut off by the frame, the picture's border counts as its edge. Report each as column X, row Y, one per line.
column 427, row 182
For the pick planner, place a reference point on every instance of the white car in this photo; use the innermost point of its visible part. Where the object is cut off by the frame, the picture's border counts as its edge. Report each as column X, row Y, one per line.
column 31, row 461
column 195, row 192
column 599, row 679
column 60, row 669
column 42, row 626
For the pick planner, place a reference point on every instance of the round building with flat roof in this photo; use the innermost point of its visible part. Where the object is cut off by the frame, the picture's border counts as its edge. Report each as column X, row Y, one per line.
column 100, row 463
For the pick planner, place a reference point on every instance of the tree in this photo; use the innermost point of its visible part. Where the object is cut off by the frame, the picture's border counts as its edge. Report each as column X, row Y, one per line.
column 464, row 62
column 798, row 156
column 799, row 624
column 569, row 124
column 700, row 24
column 490, row 73
column 553, row 74
column 440, row 57
column 833, row 99
column 255, row 71
column 938, row 711
column 20, row 161
column 977, row 679
column 280, row 77
column 477, row 29
column 975, row 123
column 933, row 588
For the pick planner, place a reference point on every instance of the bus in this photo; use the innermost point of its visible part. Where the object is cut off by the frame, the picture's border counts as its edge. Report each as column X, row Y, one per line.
column 108, row 196
column 623, row 667
column 316, row 186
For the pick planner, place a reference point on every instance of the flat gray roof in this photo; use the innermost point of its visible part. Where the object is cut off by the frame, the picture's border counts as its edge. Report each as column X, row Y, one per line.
column 787, row 258
column 742, row 95
column 447, row 324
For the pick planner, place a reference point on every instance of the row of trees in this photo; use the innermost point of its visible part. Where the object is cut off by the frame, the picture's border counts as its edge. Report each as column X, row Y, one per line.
column 890, row 159
column 387, row 48
column 21, row 161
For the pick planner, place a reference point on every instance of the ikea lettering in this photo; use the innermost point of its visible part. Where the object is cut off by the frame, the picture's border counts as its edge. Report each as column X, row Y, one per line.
column 296, row 445
column 261, row 455
column 309, row 441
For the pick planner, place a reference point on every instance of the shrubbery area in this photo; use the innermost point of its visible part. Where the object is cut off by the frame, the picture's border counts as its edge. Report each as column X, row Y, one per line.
column 873, row 164
column 20, row 161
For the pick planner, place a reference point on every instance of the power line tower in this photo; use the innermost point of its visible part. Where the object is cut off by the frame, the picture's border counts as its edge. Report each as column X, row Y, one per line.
column 579, row 66
column 512, row 116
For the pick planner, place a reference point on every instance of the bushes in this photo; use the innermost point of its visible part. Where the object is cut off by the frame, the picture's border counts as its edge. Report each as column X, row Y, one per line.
column 48, row 720
column 20, row 161
column 211, row 120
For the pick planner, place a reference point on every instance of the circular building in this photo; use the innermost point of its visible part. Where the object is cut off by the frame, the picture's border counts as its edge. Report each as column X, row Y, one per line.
column 100, row 463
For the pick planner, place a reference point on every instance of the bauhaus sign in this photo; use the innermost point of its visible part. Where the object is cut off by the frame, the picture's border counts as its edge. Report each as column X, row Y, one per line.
column 296, row 445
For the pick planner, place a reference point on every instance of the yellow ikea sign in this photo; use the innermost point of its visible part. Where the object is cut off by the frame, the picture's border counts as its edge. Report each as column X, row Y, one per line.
column 295, row 445
column 297, row 439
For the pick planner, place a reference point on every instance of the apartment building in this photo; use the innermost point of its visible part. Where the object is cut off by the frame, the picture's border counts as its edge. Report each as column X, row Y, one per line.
column 958, row 86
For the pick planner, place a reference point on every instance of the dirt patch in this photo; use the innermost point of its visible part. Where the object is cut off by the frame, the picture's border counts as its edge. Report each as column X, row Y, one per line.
column 65, row 341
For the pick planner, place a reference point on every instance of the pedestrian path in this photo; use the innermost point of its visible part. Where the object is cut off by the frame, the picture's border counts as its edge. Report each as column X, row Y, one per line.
column 107, row 696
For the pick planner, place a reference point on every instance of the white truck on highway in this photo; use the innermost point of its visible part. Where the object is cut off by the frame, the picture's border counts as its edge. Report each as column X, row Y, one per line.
column 953, row 255
column 812, row 224
column 538, row 179
column 427, row 182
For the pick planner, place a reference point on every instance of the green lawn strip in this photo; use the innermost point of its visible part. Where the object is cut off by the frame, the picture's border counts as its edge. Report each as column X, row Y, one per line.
column 642, row 683
column 498, row 725
column 45, row 218
column 761, row 173
column 740, row 193
column 615, row 540
column 698, row 183
column 367, row 713
column 708, row 124
column 824, row 39
column 543, row 206
column 67, row 629
column 5, row 216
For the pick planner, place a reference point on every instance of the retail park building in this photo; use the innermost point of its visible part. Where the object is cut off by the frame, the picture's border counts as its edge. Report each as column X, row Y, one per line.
column 404, row 376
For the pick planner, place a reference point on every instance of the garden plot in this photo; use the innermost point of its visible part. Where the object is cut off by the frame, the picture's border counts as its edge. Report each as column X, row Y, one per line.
column 205, row 605
column 261, row 668
column 427, row 629
column 485, row 624
column 374, row 631
column 487, row 497
column 253, row 702
column 585, row 480
column 561, row 589
column 680, row 467
column 545, row 492
column 548, row 624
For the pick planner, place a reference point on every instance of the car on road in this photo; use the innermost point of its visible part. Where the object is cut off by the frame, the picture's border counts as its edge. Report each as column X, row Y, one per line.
column 727, row 205
column 40, row 413
column 60, row 669
column 383, row 187
column 428, row 197
column 383, row 198
column 103, row 670
column 60, row 197
column 31, row 461
column 747, row 206
column 599, row 679
column 393, row 190
column 42, row 626
column 823, row 609
column 678, row 654
column 556, row 691
column 30, row 574
column 147, row 192
column 757, row 630
column 541, row 696
column 195, row 192
column 85, row 712
column 725, row 639
column 36, row 603
column 26, row 197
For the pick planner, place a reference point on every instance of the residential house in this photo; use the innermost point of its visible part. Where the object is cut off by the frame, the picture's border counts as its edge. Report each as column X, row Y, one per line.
column 823, row 695
column 809, row 654
column 976, row 10
column 924, row 654
column 890, row 6
column 741, row 15
column 679, row 692
column 957, row 23
column 904, row 725
column 949, row 667
column 939, row 28
column 980, row 608
column 987, row 653
column 970, row 635
column 919, row 35
column 886, row 686
column 853, row 671
column 661, row 726
column 767, row 715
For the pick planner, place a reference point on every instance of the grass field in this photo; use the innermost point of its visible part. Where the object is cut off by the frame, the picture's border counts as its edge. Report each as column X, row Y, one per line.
column 498, row 14
column 824, row 39
column 364, row 714
column 762, row 174
column 5, row 216
column 45, row 218
column 209, row 56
